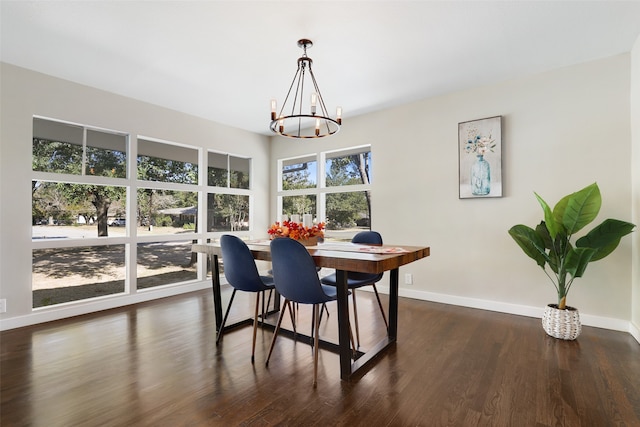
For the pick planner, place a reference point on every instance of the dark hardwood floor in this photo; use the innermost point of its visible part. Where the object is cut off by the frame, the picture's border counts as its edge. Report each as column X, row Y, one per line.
column 156, row 364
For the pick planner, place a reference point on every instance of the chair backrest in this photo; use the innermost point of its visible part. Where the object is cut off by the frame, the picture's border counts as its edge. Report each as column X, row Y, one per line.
column 372, row 237
column 239, row 265
column 294, row 272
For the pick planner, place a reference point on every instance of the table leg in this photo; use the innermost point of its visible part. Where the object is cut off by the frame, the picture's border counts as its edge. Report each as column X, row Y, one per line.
column 215, row 285
column 361, row 364
column 343, row 324
column 393, row 304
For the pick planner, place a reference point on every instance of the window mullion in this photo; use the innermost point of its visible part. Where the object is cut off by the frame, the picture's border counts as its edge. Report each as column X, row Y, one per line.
column 84, row 151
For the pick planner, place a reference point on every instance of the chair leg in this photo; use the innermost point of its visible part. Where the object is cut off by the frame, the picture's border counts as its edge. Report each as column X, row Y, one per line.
column 268, row 302
column 291, row 314
column 224, row 320
column 384, row 317
column 263, row 309
column 322, row 310
column 313, row 326
column 255, row 326
column 355, row 316
column 316, row 319
column 275, row 332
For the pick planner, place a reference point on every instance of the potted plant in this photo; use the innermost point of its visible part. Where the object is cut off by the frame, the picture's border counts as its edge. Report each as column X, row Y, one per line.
column 549, row 244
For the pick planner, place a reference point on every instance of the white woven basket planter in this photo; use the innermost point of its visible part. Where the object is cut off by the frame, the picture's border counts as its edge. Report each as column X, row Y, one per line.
column 561, row 324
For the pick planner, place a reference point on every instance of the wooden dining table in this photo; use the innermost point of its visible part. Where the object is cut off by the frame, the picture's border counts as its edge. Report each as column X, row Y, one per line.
column 343, row 257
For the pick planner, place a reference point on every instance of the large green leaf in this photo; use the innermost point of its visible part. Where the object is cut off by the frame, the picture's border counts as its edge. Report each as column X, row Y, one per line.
column 530, row 242
column 605, row 237
column 578, row 209
column 544, row 234
column 552, row 244
column 557, row 247
column 577, row 260
column 549, row 220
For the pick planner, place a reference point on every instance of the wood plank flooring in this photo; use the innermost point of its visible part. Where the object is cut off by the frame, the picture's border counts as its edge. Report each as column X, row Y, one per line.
column 156, row 364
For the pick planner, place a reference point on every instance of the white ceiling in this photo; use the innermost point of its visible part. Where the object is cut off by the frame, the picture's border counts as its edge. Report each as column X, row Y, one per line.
column 225, row 60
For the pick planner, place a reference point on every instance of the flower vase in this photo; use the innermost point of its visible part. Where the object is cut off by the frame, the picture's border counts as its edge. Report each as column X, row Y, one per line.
column 311, row 241
column 480, row 177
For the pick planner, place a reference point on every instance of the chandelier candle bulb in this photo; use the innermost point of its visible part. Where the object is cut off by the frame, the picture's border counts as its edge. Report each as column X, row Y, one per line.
column 314, row 100
column 273, row 109
column 339, row 115
column 317, row 127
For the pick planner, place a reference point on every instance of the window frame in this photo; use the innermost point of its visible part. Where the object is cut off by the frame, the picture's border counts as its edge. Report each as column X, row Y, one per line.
column 133, row 238
column 211, row 190
column 321, row 190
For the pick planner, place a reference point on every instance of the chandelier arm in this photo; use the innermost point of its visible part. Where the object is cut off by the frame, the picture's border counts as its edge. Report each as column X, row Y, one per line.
column 284, row 104
column 323, row 107
column 299, row 92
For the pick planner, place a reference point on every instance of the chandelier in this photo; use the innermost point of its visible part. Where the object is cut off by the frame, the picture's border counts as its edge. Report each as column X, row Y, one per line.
column 299, row 119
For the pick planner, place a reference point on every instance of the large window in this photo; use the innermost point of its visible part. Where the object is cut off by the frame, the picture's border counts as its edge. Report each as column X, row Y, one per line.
column 164, row 263
column 299, row 205
column 72, row 149
column 298, row 173
column 228, row 171
column 79, row 183
column 105, row 224
column 158, row 161
column 229, row 198
column 338, row 194
column 86, row 210
column 164, row 211
column 227, row 212
column 61, row 152
column 65, row 274
column 166, row 207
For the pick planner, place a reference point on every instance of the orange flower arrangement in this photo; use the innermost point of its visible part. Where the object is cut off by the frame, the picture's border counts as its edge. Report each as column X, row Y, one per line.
column 296, row 231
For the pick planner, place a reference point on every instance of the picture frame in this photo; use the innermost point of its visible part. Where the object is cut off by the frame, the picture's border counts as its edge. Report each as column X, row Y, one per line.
column 480, row 158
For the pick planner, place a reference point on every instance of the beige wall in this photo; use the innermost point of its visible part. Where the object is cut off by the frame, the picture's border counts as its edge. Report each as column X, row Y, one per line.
column 562, row 130
column 635, row 170
column 24, row 94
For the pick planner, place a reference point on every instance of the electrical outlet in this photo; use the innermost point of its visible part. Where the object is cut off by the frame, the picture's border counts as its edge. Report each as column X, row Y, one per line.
column 3, row 305
column 408, row 279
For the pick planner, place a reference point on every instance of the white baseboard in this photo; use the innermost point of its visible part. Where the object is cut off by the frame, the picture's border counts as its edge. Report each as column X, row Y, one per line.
column 76, row 309
column 521, row 310
column 634, row 331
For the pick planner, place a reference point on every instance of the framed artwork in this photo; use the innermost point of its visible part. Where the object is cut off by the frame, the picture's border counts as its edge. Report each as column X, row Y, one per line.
column 480, row 158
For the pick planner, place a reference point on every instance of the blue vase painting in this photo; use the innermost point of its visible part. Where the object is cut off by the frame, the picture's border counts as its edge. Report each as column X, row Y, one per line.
column 480, row 150
column 480, row 177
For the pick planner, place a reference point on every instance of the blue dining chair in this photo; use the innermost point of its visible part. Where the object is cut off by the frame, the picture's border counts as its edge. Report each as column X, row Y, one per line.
column 296, row 279
column 357, row 280
column 242, row 274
